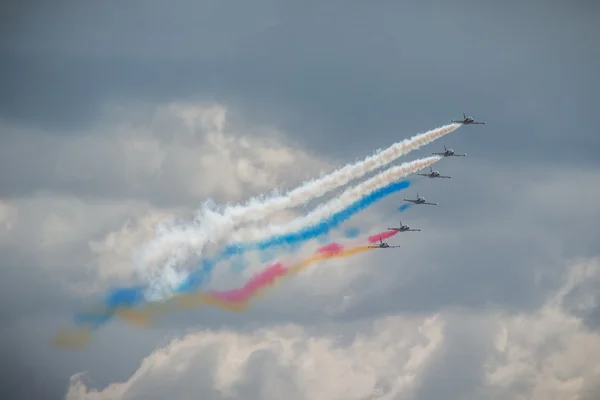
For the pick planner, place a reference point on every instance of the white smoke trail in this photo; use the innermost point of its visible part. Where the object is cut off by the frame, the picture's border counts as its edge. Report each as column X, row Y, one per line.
column 337, row 204
column 174, row 243
column 257, row 209
column 164, row 281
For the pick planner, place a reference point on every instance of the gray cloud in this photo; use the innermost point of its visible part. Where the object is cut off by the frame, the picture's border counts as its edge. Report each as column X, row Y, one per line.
column 460, row 353
column 87, row 146
column 391, row 63
column 163, row 155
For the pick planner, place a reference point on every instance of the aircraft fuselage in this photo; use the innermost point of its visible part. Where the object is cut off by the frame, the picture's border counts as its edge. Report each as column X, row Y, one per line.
column 467, row 121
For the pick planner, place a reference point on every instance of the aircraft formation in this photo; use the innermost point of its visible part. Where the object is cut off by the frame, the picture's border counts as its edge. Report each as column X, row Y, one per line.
column 432, row 174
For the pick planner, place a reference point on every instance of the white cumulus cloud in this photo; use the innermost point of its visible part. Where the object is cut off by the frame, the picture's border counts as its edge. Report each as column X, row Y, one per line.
column 545, row 353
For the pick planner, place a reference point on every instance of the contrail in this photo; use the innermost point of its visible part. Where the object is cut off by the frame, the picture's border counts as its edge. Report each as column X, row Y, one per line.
column 257, row 209
column 326, row 217
column 211, row 224
column 336, row 205
column 231, row 300
column 238, row 299
column 129, row 302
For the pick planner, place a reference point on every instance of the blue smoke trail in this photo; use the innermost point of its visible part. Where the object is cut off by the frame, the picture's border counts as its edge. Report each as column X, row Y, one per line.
column 117, row 298
column 294, row 239
column 404, row 207
column 130, row 297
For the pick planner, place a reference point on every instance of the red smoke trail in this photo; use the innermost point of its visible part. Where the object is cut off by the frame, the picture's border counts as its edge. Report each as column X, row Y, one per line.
column 232, row 300
column 330, row 248
column 381, row 236
column 268, row 276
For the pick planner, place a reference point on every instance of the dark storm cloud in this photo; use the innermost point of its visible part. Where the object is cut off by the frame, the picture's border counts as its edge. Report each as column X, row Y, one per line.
column 361, row 74
column 345, row 78
column 361, row 70
column 63, row 60
column 31, row 292
column 19, row 380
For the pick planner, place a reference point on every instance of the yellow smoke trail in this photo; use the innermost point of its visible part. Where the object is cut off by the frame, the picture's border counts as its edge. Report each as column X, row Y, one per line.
column 153, row 310
column 143, row 316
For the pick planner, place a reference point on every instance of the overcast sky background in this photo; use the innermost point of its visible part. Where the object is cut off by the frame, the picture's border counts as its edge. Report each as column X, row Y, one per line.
column 117, row 114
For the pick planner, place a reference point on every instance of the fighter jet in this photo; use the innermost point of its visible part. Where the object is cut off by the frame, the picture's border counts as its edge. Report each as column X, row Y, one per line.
column 434, row 174
column 467, row 120
column 449, row 153
column 382, row 245
column 404, row 228
column 420, row 200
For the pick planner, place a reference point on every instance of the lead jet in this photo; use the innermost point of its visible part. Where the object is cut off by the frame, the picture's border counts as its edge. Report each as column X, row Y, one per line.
column 404, row 228
column 467, row 121
column 382, row 245
column 434, row 174
column 449, row 153
column 420, row 200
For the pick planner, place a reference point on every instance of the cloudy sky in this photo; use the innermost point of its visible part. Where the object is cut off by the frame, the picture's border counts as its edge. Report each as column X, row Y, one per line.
column 119, row 114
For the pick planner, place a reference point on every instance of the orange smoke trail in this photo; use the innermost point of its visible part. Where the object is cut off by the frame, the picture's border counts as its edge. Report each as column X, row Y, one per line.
column 152, row 311
column 143, row 316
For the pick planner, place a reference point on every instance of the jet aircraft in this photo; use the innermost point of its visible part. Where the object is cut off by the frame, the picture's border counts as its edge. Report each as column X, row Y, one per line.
column 449, row 153
column 382, row 245
column 434, row 174
column 420, row 200
column 467, row 121
column 404, row 228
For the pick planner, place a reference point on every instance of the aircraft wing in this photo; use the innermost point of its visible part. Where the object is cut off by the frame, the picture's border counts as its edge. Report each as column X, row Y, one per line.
column 478, row 123
column 412, row 201
column 460, row 155
column 442, row 176
column 431, row 204
column 439, row 154
column 423, row 174
column 414, row 230
column 391, row 247
column 375, row 247
column 460, row 122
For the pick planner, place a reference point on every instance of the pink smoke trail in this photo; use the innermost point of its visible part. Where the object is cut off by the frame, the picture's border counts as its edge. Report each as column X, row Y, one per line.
column 331, row 248
column 271, row 273
column 268, row 276
column 381, row 236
